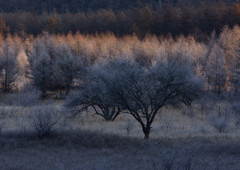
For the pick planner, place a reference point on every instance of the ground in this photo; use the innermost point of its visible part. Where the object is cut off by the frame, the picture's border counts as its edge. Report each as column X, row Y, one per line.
column 179, row 139
column 94, row 151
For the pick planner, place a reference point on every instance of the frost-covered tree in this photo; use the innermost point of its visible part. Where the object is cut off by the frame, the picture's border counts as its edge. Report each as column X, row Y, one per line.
column 203, row 62
column 41, row 57
column 66, row 68
column 51, row 65
column 41, row 72
column 142, row 92
column 216, row 69
column 229, row 41
column 95, row 95
column 9, row 66
column 235, row 70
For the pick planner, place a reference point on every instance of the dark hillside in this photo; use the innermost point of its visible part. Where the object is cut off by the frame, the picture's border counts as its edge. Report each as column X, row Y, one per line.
column 84, row 5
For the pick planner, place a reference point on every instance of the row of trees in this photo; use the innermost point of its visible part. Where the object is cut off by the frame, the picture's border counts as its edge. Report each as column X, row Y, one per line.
column 83, row 5
column 51, row 66
column 221, row 65
column 57, row 62
column 48, row 66
column 70, row 5
column 142, row 20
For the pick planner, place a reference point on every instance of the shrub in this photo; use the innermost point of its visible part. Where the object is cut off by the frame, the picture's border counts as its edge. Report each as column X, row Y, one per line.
column 24, row 98
column 173, row 157
column 219, row 122
column 7, row 111
column 44, row 120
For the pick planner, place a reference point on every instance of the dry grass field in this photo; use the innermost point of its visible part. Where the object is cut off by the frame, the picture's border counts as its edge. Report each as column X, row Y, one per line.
column 181, row 138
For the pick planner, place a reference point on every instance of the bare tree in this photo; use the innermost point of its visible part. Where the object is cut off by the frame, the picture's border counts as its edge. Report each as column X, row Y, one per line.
column 9, row 66
column 215, row 66
column 67, row 68
column 141, row 91
column 41, row 71
column 51, row 66
column 44, row 120
column 41, row 57
column 95, row 95
column 235, row 69
column 231, row 56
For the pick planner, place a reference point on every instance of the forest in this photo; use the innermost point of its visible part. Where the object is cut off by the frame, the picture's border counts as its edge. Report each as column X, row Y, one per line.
column 216, row 61
column 74, row 6
column 95, row 84
column 141, row 20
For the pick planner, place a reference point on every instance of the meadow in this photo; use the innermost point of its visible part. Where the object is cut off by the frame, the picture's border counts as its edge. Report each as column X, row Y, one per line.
column 181, row 138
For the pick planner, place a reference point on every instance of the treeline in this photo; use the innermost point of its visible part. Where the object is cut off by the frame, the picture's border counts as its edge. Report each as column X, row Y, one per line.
column 61, row 6
column 199, row 22
column 55, row 63
column 38, row 6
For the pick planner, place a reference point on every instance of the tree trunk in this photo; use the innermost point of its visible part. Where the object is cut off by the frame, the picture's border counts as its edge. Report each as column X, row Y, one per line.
column 6, row 82
column 60, row 93
column 43, row 93
column 67, row 90
column 146, row 135
column 146, row 131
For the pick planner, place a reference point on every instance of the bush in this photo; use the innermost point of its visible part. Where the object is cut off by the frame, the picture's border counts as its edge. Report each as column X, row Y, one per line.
column 28, row 98
column 175, row 157
column 7, row 112
column 24, row 98
column 44, row 120
column 219, row 122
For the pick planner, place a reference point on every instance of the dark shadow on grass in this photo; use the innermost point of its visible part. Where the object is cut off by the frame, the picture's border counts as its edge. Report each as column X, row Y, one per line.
column 94, row 140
